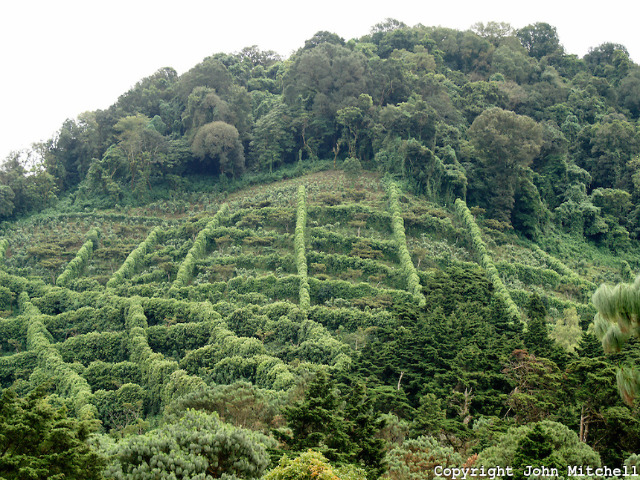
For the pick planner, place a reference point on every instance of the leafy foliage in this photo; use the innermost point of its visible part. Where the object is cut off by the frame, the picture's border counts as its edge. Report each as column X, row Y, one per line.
column 397, row 224
column 198, row 445
column 38, row 440
column 312, row 465
column 253, row 233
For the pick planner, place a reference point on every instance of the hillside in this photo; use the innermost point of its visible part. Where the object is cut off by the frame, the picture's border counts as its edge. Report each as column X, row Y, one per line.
column 382, row 250
column 166, row 303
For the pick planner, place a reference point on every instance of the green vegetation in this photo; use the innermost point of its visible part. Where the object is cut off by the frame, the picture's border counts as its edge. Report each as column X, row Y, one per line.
column 198, row 250
column 485, row 260
column 135, row 259
column 375, row 257
column 397, row 224
column 79, row 262
column 299, row 245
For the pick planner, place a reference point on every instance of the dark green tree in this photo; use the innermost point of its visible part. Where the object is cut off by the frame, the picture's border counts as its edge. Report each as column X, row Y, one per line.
column 317, row 423
column 33, row 187
column 39, row 441
column 273, row 138
column 540, row 39
column 429, row 418
column 6, row 201
column 534, row 450
column 537, row 392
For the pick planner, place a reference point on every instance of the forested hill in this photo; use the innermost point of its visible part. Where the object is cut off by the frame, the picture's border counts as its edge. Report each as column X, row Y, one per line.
column 506, row 119
column 367, row 260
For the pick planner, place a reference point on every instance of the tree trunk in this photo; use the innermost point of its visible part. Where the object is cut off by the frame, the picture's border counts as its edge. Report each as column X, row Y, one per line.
column 583, row 433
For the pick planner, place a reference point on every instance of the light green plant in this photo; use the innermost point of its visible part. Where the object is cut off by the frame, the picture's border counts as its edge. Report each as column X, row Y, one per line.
column 397, row 224
column 78, row 264
column 50, row 362
column 300, row 249
column 485, row 260
column 135, row 258
column 198, row 250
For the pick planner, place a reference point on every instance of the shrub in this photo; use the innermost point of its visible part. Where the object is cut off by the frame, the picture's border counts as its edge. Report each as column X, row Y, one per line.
column 352, row 167
column 198, row 445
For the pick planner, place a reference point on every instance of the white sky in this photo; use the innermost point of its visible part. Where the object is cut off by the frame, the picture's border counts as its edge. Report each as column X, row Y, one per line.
column 60, row 58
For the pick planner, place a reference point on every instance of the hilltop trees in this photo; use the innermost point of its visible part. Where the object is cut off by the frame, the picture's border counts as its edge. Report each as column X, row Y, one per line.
column 219, row 142
column 324, row 78
column 506, row 144
column 448, row 111
column 142, row 146
column 540, row 39
column 24, row 187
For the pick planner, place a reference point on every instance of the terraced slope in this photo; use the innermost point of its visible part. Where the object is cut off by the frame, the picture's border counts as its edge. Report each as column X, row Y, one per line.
column 264, row 287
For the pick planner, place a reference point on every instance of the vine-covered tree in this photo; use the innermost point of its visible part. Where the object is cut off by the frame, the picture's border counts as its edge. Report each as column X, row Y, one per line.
column 196, row 445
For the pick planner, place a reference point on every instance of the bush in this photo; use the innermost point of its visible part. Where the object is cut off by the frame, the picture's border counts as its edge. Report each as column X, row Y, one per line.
column 352, row 167
column 313, row 465
column 194, row 446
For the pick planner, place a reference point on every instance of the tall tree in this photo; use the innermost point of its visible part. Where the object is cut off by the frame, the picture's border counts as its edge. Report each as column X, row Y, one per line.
column 142, row 146
column 273, row 137
column 540, row 39
column 32, row 186
column 363, row 427
column 506, row 144
column 219, row 142
column 316, row 422
column 323, row 80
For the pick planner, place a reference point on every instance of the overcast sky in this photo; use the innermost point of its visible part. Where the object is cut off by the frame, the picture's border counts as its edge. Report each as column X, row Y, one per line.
column 60, row 58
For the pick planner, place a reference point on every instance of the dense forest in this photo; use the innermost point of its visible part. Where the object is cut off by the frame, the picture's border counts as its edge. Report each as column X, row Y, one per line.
column 373, row 258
